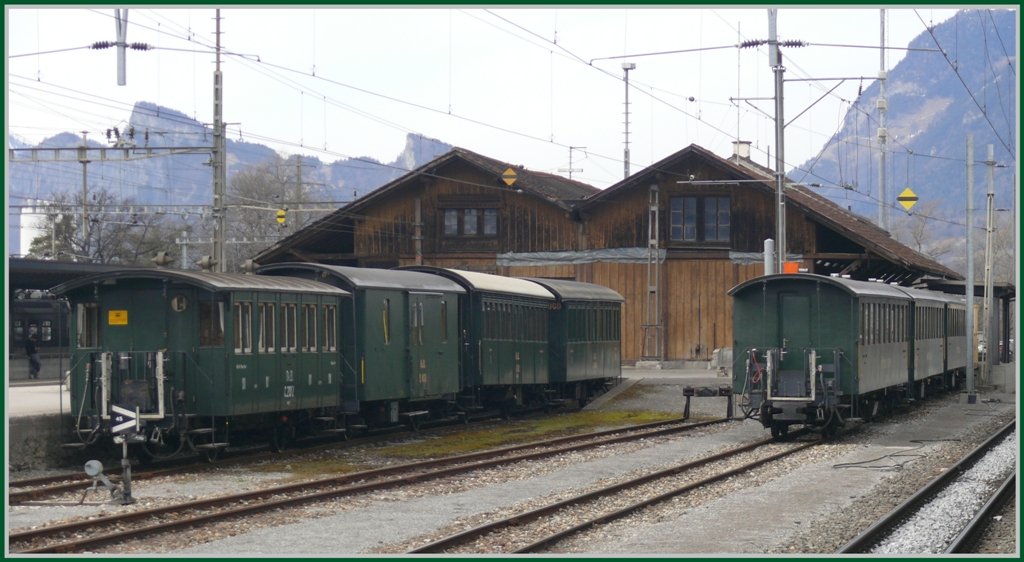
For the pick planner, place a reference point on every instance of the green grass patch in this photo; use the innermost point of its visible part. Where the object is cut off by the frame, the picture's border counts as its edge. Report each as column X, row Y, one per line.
column 522, row 431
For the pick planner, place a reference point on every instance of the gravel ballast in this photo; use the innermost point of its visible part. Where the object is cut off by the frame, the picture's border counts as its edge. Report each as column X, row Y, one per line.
column 810, row 503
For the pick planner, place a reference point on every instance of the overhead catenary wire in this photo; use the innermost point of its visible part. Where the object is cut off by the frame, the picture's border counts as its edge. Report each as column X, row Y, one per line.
column 538, row 138
column 535, row 137
column 970, row 93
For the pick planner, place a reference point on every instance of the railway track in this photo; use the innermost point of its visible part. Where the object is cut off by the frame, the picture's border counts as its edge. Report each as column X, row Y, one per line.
column 886, row 528
column 38, row 489
column 462, row 542
column 86, row 535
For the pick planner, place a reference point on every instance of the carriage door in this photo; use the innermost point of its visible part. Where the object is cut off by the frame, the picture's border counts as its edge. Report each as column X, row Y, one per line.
column 423, row 342
column 794, row 340
column 134, row 327
column 182, row 334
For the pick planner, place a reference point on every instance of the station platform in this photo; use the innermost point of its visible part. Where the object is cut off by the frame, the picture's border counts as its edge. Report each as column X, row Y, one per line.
column 36, row 398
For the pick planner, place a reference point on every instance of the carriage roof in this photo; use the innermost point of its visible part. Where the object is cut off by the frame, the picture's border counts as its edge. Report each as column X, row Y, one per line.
column 371, row 278
column 577, row 290
column 217, row 282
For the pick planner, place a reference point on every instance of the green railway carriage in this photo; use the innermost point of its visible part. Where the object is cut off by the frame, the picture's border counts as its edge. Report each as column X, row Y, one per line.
column 808, row 349
column 584, row 332
column 504, row 329
column 939, row 329
column 197, row 354
column 402, row 345
column 815, row 350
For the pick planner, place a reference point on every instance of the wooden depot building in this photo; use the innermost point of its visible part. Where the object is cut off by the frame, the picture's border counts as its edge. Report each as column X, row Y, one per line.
column 672, row 238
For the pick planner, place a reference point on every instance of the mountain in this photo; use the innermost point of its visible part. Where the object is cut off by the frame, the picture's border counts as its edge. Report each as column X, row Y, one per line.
column 185, row 179
column 934, row 103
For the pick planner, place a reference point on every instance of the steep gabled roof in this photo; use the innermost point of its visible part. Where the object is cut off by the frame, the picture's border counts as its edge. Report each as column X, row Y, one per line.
column 559, row 191
column 550, row 186
column 846, row 223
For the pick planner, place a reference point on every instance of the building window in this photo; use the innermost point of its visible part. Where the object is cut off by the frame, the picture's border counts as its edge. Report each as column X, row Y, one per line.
column 684, row 219
column 451, row 222
column 716, row 219
column 490, row 222
column 700, row 219
column 470, row 222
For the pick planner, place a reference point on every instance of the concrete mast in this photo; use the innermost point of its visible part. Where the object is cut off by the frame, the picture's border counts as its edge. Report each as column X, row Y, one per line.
column 219, row 172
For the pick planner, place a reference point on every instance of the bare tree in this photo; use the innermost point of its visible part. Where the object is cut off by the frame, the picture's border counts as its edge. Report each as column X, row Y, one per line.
column 255, row 198
column 111, row 234
column 918, row 231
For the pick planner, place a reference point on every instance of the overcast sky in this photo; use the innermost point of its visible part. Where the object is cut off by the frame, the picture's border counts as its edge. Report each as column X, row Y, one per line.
column 521, row 85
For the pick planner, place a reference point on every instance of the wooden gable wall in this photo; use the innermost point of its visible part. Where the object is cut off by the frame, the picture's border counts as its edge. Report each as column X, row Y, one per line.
column 693, row 281
column 385, row 232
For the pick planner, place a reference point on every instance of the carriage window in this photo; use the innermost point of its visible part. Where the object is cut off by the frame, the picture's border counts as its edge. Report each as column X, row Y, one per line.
column 19, row 330
column 289, row 327
column 211, row 324
column 874, row 323
column 267, row 341
column 330, row 342
column 309, row 341
column 46, row 330
column 419, row 325
column 179, row 303
column 886, row 324
column 243, row 327
column 88, row 317
column 385, row 320
column 444, row 321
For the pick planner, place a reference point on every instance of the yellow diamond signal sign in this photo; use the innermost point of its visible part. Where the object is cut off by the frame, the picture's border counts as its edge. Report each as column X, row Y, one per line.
column 509, row 176
column 907, row 198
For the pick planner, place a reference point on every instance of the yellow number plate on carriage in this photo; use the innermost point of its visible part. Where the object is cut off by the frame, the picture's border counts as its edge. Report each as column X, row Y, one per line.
column 117, row 317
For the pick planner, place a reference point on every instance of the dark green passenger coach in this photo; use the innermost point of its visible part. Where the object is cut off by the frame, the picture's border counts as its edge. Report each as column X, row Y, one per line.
column 203, row 356
column 584, row 331
column 402, row 343
column 504, row 329
column 817, row 350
